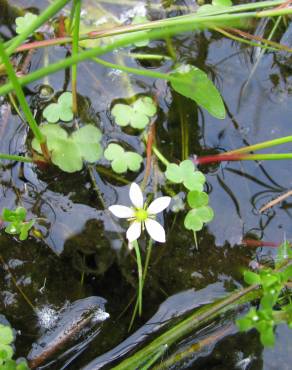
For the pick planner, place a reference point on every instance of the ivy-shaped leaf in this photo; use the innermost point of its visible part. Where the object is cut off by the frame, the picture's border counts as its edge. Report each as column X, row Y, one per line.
column 195, row 84
column 69, row 152
column 121, row 160
column 196, row 218
column 60, row 111
column 137, row 115
column 22, row 22
column 185, row 173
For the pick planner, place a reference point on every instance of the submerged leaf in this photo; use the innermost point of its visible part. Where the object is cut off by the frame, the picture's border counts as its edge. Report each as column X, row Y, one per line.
column 195, row 84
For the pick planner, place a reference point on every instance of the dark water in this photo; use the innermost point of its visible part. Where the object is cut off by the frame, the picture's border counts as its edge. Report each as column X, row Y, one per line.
column 79, row 239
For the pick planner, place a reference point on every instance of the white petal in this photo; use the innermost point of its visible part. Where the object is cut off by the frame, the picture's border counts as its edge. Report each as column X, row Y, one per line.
column 136, row 195
column 158, row 205
column 134, row 231
column 122, row 211
column 155, row 230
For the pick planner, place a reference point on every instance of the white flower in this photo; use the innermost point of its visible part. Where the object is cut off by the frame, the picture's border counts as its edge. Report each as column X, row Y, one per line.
column 139, row 216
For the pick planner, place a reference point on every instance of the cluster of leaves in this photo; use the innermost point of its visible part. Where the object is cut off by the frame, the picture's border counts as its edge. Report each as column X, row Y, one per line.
column 17, row 225
column 272, row 283
column 60, row 111
column 121, row 160
column 22, row 22
column 6, row 351
column 69, row 151
column 137, row 115
column 193, row 180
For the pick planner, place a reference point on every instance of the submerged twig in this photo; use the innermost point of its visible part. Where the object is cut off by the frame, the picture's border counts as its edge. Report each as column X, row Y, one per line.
column 275, row 201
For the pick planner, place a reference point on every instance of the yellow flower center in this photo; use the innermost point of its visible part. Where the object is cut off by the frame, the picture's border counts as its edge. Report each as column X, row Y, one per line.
column 141, row 214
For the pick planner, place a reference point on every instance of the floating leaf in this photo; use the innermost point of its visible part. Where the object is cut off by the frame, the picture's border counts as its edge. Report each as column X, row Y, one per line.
column 185, row 173
column 196, row 218
column 6, row 334
column 68, row 152
column 197, row 199
column 137, row 115
column 195, row 84
column 62, row 110
column 121, row 160
column 22, row 22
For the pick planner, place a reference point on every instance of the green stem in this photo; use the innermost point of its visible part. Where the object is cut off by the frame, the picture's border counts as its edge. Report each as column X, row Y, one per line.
column 244, row 41
column 39, row 21
column 136, row 71
column 75, row 47
column 262, row 145
column 149, row 250
column 147, row 56
column 267, row 157
column 12, row 157
column 140, row 275
column 20, row 95
column 160, row 156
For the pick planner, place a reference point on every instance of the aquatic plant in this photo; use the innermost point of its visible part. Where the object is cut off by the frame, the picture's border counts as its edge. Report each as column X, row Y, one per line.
column 7, row 351
column 17, row 223
column 80, row 146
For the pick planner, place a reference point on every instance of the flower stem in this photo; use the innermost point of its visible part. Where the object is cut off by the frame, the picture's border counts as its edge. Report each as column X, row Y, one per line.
column 140, row 276
column 149, row 250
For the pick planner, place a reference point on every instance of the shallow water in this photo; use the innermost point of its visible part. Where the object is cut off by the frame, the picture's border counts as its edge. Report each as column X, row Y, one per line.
column 80, row 241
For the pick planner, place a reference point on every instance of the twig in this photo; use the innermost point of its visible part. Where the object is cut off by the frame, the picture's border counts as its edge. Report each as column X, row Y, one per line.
column 273, row 202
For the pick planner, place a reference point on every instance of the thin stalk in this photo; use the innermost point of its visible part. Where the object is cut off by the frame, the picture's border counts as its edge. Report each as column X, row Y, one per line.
column 262, row 145
column 18, row 158
column 242, row 157
column 148, row 255
column 20, row 96
column 136, row 71
column 75, row 47
column 242, row 40
column 140, row 276
column 25, row 297
column 147, row 56
column 48, row 13
column 160, row 156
